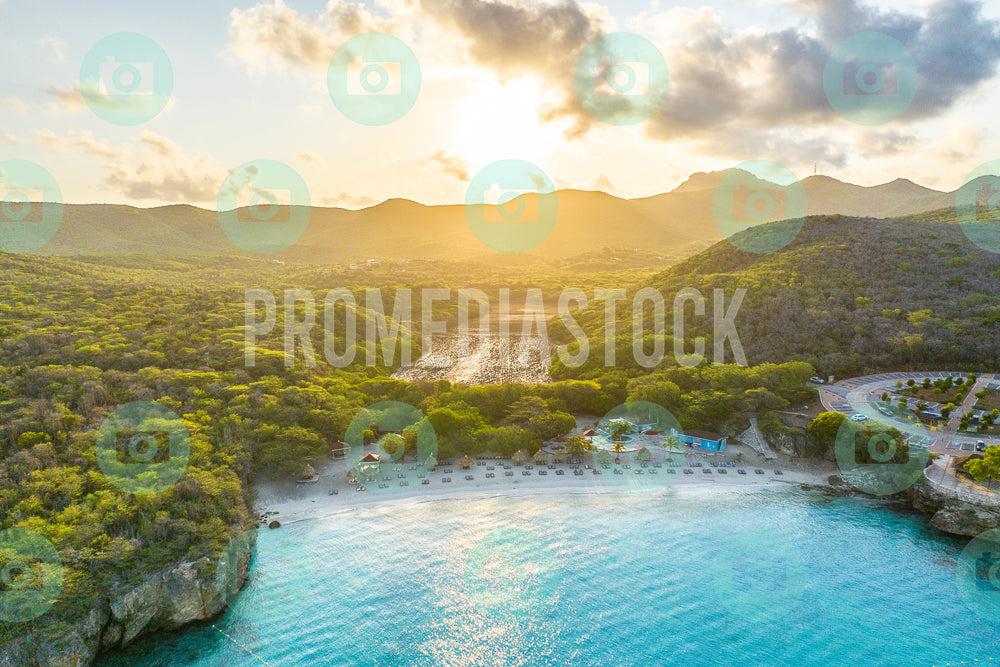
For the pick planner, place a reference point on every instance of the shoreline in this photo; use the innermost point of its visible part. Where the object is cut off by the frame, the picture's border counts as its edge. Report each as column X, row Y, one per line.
column 292, row 502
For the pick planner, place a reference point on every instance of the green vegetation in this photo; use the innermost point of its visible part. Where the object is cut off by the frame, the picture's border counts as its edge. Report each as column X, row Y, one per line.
column 986, row 468
column 802, row 301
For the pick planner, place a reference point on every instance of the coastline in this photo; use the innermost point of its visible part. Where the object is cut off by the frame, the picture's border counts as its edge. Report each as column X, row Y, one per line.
column 291, row 502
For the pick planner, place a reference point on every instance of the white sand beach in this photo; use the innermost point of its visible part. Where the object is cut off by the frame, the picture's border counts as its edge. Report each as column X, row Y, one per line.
column 287, row 501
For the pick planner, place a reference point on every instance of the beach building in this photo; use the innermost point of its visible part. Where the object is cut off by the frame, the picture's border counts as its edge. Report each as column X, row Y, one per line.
column 701, row 439
column 367, row 469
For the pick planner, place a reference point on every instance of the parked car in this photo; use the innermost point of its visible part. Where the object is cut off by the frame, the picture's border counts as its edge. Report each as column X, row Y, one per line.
column 980, row 446
column 859, row 418
column 816, row 380
column 884, row 410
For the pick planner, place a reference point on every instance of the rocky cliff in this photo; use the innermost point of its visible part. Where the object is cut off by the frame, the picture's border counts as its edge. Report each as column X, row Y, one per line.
column 186, row 592
column 951, row 514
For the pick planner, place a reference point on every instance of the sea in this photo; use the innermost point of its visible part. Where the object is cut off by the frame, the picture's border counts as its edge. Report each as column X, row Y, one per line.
column 690, row 577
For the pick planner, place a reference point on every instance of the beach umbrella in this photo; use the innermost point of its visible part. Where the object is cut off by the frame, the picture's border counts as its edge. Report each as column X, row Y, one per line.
column 541, row 458
column 466, row 461
column 519, row 458
column 308, row 472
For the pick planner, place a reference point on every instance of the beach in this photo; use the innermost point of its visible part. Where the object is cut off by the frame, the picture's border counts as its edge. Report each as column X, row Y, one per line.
column 289, row 501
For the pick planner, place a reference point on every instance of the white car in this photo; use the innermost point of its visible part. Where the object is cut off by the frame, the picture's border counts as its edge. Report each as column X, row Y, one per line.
column 816, row 380
column 859, row 418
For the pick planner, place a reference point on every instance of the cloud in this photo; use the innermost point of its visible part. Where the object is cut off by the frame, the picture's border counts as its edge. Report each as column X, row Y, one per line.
column 68, row 100
column 10, row 139
column 165, row 173
column 15, row 104
column 311, row 159
column 55, row 45
column 452, row 164
column 82, row 140
column 723, row 80
column 344, row 200
column 438, row 164
column 604, row 184
column 275, row 34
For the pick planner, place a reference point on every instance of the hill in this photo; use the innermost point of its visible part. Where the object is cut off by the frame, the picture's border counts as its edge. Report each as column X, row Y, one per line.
column 848, row 296
column 662, row 228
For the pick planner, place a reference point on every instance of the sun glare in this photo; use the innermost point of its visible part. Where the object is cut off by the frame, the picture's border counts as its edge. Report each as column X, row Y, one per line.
column 500, row 121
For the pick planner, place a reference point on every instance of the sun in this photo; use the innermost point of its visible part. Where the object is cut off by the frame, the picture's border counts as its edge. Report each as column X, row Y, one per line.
column 501, row 121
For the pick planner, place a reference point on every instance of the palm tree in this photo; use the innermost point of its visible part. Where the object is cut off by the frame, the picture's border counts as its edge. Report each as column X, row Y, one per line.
column 618, row 448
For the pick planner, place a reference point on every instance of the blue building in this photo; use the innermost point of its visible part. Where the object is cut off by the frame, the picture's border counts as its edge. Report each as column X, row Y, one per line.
column 701, row 439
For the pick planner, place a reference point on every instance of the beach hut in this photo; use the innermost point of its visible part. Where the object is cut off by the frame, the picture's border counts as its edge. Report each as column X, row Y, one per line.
column 520, row 457
column 643, row 455
column 308, row 472
column 367, row 469
column 541, row 458
column 560, row 456
column 337, row 449
column 589, row 433
column 466, row 462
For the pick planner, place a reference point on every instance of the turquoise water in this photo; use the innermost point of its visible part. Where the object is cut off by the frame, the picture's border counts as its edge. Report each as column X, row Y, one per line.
column 694, row 577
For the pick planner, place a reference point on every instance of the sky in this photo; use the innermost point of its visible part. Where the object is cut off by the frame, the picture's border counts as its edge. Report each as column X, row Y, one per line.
column 250, row 82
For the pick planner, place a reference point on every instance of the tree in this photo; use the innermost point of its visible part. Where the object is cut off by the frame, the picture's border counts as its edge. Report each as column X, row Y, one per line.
column 617, row 448
column 987, row 468
column 618, row 428
column 947, row 410
column 824, row 429
column 576, row 445
column 886, row 398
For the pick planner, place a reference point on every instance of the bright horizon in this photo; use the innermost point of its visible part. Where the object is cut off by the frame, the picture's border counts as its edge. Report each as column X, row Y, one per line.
column 250, row 82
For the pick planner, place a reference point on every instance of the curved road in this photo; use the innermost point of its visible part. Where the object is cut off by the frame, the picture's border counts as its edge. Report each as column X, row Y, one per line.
column 861, row 396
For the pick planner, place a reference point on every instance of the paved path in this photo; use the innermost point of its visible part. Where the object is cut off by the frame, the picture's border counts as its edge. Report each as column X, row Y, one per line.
column 753, row 437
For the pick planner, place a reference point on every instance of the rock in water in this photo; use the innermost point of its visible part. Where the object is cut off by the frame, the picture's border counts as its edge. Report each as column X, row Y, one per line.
column 274, row 524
